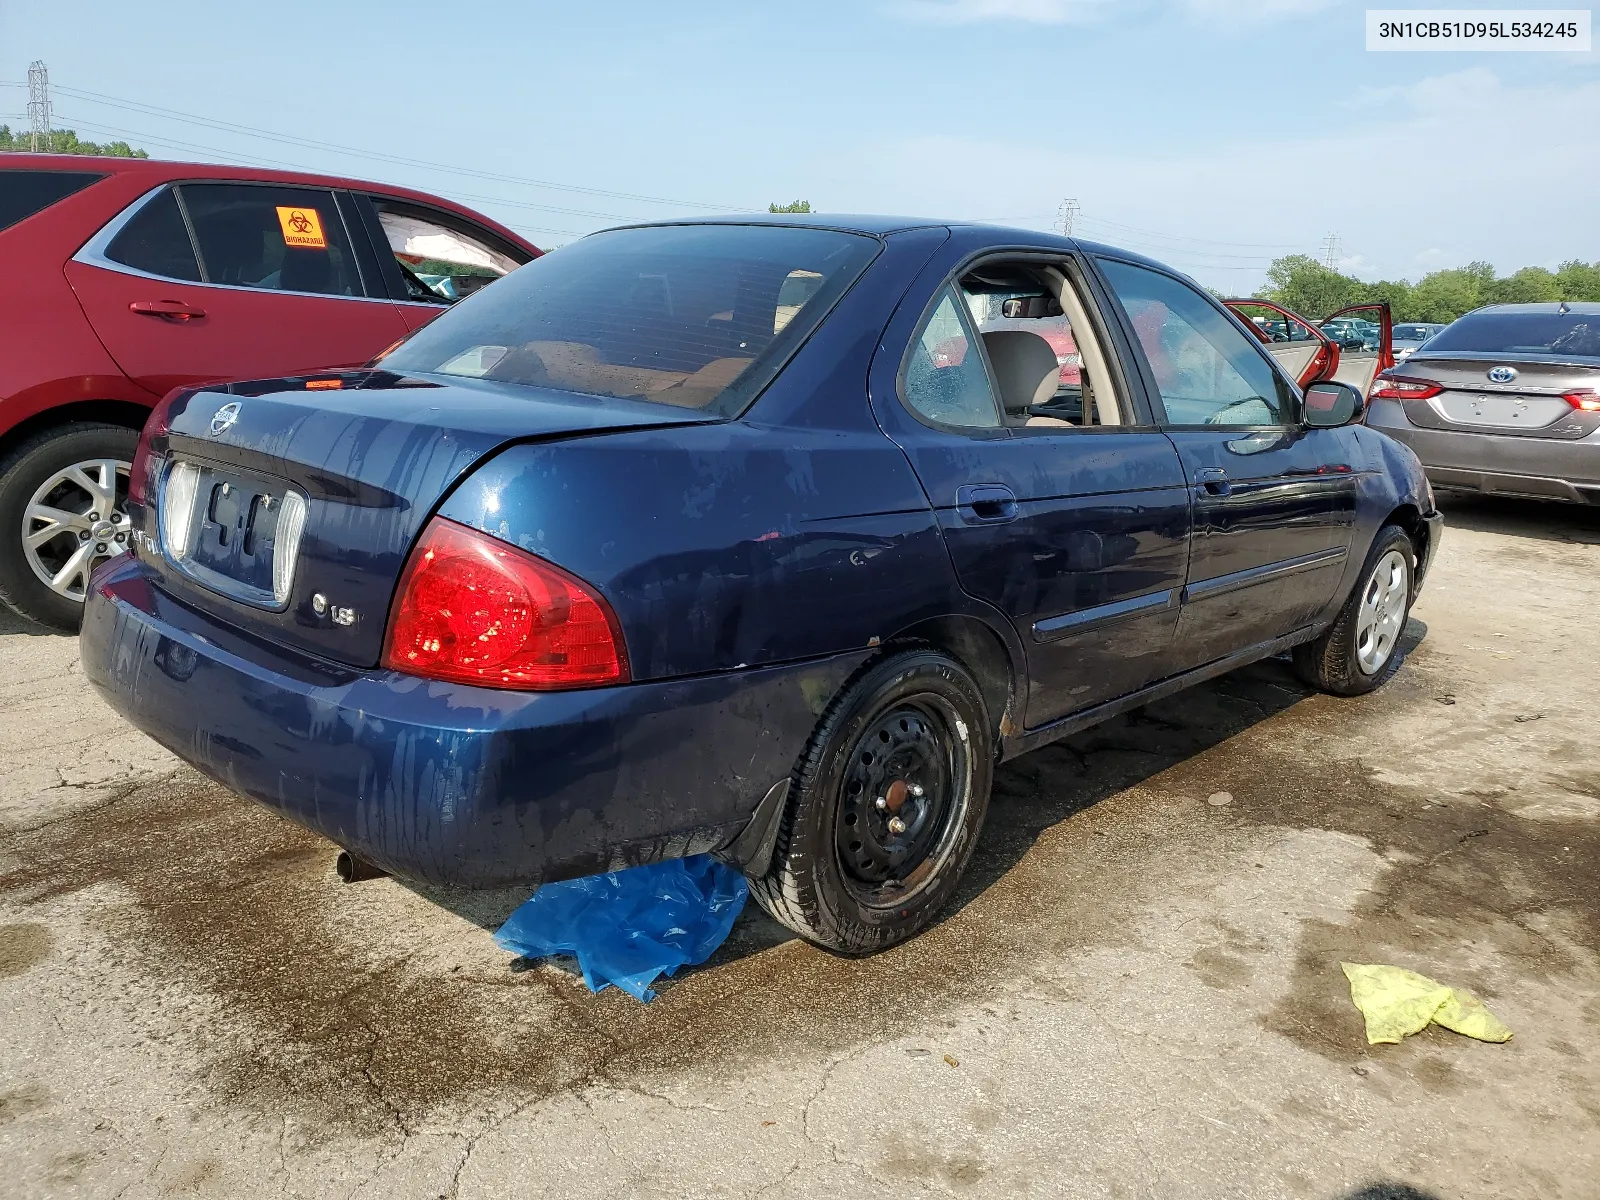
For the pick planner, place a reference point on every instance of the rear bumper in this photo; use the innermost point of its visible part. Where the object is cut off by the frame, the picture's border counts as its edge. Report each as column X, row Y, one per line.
column 449, row 784
column 1513, row 466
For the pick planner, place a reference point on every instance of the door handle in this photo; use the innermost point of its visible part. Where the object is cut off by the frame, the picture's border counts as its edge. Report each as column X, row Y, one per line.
column 1213, row 481
column 986, row 503
column 171, row 310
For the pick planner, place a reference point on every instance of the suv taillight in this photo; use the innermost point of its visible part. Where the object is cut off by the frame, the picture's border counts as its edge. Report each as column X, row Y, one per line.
column 1389, row 387
column 473, row 609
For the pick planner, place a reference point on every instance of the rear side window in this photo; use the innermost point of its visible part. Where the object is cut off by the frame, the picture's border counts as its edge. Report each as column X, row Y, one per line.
column 442, row 258
column 156, row 241
column 277, row 238
column 23, row 193
column 698, row 316
column 1522, row 333
column 945, row 379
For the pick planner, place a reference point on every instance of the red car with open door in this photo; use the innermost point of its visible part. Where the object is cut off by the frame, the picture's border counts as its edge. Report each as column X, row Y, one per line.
column 131, row 277
column 1308, row 353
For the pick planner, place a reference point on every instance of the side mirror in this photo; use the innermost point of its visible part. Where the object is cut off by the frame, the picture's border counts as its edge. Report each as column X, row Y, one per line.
column 1330, row 404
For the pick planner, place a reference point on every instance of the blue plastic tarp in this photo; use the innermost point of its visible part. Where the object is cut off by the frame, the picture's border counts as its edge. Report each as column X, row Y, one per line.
column 629, row 927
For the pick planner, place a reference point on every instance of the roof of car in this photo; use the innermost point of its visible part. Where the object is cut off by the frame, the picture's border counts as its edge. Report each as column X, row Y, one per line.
column 1582, row 308
column 166, row 168
column 161, row 170
column 881, row 226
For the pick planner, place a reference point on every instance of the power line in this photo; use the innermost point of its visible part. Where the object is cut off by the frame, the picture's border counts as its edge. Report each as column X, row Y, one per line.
column 246, row 160
column 257, row 161
column 401, row 160
column 1207, row 241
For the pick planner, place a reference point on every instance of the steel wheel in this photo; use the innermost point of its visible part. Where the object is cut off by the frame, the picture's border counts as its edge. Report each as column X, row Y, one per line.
column 1382, row 613
column 906, row 788
column 75, row 520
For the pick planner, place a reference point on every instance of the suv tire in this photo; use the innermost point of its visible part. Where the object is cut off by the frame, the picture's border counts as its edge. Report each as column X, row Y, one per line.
column 44, row 463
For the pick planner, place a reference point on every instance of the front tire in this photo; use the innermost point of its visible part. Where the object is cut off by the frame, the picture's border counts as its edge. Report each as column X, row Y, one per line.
column 63, row 511
column 884, row 806
column 1359, row 651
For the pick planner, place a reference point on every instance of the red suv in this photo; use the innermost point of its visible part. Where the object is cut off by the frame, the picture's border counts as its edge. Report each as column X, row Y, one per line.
column 131, row 277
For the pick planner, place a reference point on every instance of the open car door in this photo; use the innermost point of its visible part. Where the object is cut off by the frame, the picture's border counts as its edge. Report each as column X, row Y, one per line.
column 1360, row 367
column 1303, row 350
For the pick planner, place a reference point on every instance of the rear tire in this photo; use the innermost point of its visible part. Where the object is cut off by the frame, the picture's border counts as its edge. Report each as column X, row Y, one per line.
column 1360, row 651
column 884, row 806
column 40, row 473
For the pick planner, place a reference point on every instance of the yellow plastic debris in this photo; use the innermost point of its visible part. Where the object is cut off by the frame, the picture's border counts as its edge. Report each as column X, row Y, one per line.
column 1397, row 1003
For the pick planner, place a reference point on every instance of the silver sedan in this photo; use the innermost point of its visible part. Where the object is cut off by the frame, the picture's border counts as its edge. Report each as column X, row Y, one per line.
column 1505, row 400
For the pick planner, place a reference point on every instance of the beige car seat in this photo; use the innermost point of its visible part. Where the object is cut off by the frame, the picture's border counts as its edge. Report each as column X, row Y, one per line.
column 1026, row 370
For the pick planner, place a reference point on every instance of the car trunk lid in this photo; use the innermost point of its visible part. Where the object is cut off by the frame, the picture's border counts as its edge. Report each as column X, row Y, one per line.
column 1479, row 394
column 357, row 462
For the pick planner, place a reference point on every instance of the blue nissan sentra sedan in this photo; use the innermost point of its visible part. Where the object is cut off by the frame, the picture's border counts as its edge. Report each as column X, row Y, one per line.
column 763, row 537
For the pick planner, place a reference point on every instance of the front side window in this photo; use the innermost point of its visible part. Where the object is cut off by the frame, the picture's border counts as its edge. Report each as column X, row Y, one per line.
column 1208, row 371
column 284, row 239
column 442, row 259
column 945, row 378
column 155, row 240
column 699, row 316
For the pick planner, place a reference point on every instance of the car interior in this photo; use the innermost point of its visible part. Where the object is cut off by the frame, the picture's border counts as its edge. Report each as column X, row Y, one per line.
column 1046, row 358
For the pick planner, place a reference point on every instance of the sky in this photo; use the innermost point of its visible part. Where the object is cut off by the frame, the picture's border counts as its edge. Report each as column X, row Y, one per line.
column 1214, row 135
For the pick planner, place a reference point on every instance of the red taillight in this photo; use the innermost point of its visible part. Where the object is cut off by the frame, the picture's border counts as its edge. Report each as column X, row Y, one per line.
column 1389, row 387
column 473, row 609
column 1583, row 401
column 157, row 424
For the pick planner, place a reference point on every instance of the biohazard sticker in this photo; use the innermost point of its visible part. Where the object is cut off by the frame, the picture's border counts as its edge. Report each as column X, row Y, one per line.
column 302, row 228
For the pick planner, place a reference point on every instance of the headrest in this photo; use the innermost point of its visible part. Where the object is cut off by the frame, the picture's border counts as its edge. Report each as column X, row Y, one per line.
column 1025, row 367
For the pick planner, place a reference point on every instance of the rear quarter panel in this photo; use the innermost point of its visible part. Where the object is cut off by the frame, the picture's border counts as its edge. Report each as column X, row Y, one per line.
column 725, row 546
column 52, row 356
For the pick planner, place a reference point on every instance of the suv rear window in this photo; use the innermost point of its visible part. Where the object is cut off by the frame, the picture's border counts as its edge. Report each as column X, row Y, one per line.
column 1522, row 333
column 698, row 316
column 24, row 193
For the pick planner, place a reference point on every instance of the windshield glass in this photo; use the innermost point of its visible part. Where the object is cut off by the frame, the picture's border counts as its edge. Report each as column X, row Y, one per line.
column 697, row 316
column 1523, row 333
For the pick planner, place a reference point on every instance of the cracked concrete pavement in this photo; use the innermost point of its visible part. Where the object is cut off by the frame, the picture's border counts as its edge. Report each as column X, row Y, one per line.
column 1137, row 993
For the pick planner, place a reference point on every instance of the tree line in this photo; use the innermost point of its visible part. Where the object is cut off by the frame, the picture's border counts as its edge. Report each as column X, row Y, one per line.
column 65, row 141
column 1301, row 283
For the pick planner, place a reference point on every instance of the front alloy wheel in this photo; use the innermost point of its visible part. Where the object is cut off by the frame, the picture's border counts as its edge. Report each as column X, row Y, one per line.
column 1361, row 648
column 1384, row 600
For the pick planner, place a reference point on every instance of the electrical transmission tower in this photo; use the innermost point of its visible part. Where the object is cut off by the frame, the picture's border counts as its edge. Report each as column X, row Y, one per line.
column 1330, row 250
column 1067, row 216
column 39, row 106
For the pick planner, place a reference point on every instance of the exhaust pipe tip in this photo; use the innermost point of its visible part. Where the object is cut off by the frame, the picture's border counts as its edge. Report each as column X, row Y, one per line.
column 352, row 869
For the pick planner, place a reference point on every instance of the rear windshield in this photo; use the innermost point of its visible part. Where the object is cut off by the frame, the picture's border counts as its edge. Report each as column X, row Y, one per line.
column 23, row 193
column 1412, row 333
column 1522, row 333
column 698, row 316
